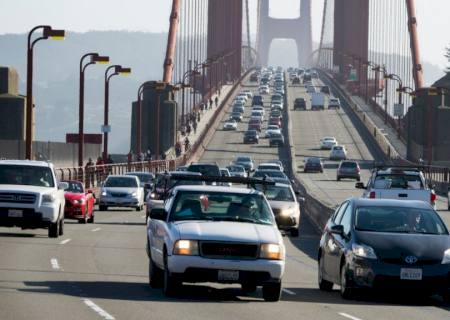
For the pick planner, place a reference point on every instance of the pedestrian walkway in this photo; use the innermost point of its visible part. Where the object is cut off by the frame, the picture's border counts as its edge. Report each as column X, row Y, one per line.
column 389, row 132
column 205, row 117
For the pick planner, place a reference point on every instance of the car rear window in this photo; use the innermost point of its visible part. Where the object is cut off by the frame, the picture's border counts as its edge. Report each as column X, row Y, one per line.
column 349, row 165
column 205, row 169
column 337, row 148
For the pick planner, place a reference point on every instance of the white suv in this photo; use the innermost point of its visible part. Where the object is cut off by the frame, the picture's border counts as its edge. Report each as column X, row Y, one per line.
column 31, row 197
column 215, row 234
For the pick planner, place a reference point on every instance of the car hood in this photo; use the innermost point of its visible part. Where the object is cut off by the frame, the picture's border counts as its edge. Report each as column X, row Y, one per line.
column 395, row 245
column 120, row 190
column 227, row 231
column 282, row 205
column 74, row 195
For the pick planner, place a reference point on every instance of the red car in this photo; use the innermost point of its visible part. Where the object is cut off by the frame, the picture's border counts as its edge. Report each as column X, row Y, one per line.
column 276, row 121
column 79, row 203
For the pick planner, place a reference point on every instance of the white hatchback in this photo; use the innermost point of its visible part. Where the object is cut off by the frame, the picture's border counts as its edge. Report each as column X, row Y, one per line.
column 338, row 153
column 328, row 143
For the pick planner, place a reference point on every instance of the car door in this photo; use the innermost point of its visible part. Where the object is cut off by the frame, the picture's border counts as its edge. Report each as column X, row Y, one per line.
column 329, row 245
column 341, row 242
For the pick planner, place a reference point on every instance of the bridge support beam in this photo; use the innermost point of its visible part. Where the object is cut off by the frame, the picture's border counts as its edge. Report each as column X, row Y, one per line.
column 298, row 29
column 158, row 103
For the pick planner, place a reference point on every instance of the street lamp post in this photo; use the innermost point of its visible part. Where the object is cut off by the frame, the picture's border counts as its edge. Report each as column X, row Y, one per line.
column 141, row 88
column 95, row 58
column 397, row 78
column 47, row 32
column 118, row 70
column 383, row 70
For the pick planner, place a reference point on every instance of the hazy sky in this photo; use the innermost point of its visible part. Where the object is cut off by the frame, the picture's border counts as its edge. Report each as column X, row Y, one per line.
column 18, row 16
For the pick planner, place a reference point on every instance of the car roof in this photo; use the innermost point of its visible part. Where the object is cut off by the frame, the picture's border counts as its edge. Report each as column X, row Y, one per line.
column 398, row 171
column 209, row 188
column 121, row 176
column 27, row 163
column 139, row 172
column 365, row 202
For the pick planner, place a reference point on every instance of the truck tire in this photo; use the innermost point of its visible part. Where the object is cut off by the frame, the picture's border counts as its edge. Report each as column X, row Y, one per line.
column 61, row 227
column 272, row 291
column 53, row 230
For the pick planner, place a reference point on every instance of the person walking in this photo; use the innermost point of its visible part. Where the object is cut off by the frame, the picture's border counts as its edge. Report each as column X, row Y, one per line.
column 210, row 103
column 100, row 167
column 194, row 125
column 186, row 144
column 89, row 173
column 216, row 101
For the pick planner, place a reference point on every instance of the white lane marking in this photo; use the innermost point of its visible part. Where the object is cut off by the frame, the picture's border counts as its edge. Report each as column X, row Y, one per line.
column 96, row 229
column 292, row 293
column 54, row 263
column 65, row 241
column 102, row 313
column 348, row 316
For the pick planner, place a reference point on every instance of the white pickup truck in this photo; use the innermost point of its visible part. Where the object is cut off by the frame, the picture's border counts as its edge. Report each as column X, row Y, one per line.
column 31, row 197
column 402, row 183
column 215, row 234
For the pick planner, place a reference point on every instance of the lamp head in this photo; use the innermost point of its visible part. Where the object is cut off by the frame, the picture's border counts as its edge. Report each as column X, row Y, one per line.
column 53, row 33
column 100, row 59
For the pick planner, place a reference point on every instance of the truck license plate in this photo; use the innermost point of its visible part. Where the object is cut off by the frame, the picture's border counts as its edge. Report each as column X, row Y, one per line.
column 227, row 275
column 410, row 274
column 14, row 213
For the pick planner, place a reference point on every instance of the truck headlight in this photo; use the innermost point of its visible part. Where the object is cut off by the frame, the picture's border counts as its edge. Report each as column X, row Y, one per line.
column 186, row 248
column 48, row 198
column 287, row 212
column 271, row 251
column 133, row 195
column 446, row 258
column 363, row 251
column 104, row 193
column 152, row 195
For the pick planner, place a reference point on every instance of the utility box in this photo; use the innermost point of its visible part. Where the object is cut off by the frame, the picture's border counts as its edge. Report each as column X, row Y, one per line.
column 9, row 81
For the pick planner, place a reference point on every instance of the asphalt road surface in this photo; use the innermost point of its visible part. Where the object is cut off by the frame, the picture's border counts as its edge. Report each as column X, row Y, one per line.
column 99, row 271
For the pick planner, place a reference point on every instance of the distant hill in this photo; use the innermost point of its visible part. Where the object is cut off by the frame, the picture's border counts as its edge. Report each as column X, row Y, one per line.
column 56, row 79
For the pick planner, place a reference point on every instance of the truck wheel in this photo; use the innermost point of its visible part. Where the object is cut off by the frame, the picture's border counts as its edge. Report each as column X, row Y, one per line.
column 61, row 227
column 294, row 232
column 53, row 230
column 171, row 285
column 272, row 291
column 155, row 274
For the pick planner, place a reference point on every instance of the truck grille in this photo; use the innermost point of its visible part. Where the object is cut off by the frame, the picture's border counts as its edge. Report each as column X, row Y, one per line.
column 17, row 198
column 224, row 250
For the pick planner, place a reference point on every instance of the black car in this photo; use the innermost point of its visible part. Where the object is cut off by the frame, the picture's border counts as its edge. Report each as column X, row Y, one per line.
column 313, row 164
column 165, row 182
column 276, row 139
column 251, row 136
column 385, row 244
column 257, row 101
column 205, row 168
column 299, row 103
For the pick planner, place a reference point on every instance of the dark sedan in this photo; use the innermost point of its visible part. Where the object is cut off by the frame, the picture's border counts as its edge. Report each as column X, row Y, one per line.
column 276, row 139
column 385, row 244
column 251, row 136
column 313, row 165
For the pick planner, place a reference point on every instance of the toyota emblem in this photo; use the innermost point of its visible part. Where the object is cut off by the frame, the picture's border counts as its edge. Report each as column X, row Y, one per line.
column 411, row 259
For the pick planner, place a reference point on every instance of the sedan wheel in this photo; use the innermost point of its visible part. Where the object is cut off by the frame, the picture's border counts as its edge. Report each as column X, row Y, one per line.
column 346, row 292
column 155, row 274
column 324, row 285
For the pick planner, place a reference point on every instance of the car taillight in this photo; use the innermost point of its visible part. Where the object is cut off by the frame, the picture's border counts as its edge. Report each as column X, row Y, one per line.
column 432, row 197
column 372, row 195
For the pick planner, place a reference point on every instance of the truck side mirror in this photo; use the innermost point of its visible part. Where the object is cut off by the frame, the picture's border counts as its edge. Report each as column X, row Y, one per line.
column 158, row 214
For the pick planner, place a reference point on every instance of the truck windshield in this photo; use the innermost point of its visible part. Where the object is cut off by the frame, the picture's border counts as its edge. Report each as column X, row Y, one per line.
column 221, row 206
column 26, row 175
